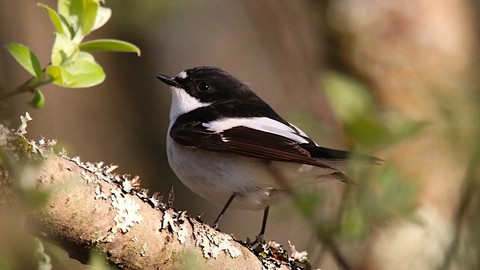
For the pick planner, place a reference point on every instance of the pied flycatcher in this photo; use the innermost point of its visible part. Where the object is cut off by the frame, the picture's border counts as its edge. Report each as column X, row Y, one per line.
column 230, row 147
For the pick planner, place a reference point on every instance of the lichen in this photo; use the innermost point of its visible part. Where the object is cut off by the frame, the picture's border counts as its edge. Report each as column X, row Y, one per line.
column 126, row 211
column 211, row 241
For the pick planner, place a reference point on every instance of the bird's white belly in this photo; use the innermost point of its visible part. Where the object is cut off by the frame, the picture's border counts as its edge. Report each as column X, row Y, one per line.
column 216, row 176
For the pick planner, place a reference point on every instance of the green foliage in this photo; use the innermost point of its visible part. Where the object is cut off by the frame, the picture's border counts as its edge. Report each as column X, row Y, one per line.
column 71, row 65
column 38, row 99
column 98, row 262
column 44, row 261
column 108, row 45
column 308, row 202
column 382, row 193
column 380, row 196
column 7, row 259
column 354, row 107
column 26, row 58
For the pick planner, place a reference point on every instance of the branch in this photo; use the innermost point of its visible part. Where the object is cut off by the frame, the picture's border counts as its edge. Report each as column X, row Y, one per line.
column 25, row 87
column 467, row 195
column 88, row 208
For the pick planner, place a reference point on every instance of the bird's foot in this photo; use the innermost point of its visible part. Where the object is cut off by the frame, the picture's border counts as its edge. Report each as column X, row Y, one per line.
column 215, row 227
column 259, row 240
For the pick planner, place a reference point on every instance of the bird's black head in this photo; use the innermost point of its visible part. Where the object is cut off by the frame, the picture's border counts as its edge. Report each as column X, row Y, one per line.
column 209, row 84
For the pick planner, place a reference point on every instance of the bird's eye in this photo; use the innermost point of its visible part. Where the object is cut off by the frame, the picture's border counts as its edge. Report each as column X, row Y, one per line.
column 203, row 87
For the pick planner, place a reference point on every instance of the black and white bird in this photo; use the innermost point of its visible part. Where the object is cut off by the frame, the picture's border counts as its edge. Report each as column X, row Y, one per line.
column 230, row 147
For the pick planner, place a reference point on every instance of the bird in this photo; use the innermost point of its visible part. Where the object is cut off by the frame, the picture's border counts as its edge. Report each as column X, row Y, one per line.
column 230, row 147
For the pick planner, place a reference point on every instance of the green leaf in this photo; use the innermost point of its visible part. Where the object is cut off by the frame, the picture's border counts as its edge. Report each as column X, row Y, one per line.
column 61, row 76
column 86, row 71
column 308, row 202
column 54, row 17
column 64, row 49
column 64, row 14
column 97, row 262
column 63, row 7
column 86, row 13
column 26, row 58
column 43, row 259
column 353, row 224
column 103, row 15
column 80, row 72
column 349, row 98
column 38, row 99
column 111, row 45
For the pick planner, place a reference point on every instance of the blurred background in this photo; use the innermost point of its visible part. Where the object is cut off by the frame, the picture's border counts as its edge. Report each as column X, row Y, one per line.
column 394, row 79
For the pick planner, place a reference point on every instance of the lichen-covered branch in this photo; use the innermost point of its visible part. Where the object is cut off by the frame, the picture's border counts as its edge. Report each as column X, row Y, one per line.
column 89, row 207
column 84, row 212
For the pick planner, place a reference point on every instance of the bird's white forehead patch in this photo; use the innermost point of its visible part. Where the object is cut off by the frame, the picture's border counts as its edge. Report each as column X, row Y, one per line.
column 182, row 103
column 182, row 75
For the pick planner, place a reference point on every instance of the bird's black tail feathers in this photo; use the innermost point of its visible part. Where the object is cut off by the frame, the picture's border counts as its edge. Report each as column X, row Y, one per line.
column 344, row 178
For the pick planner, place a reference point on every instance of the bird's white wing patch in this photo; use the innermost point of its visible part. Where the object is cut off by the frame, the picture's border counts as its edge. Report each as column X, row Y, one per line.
column 264, row 124
column 302, row 133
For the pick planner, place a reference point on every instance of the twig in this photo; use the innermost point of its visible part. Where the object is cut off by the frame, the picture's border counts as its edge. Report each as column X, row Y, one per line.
column 467, row 192
column 319, row 233
column 21, row 89
column 26, row 87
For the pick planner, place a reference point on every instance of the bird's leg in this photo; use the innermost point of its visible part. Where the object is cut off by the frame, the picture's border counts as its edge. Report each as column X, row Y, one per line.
column 264, row 223
column 260, row 237
column 215, row 224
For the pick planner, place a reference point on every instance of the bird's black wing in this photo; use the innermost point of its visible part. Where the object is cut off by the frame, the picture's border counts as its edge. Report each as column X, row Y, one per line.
column 244, row 141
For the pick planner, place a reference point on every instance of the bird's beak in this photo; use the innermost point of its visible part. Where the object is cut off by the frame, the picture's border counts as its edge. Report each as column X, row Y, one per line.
column 168, row 80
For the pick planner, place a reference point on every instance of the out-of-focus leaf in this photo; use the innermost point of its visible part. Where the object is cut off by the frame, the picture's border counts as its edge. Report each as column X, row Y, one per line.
column 7, row 257
column 354, row 106
column 396, row 191
column 385, row 195
column 38, row 99
column 402, row 128
column 308, row 202
column 109, row 45
column 63, row 50
column 60, row 76
column 366, row 131
column 26, row 58
column 349, row 99
column 97, row 262
column 44, row 261
column 353, row 224
column 369, row 131
column 103, row 15
column 54, row 17
column 86, row 13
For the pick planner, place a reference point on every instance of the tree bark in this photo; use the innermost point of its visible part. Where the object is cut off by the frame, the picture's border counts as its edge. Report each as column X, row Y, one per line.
column 88, row 208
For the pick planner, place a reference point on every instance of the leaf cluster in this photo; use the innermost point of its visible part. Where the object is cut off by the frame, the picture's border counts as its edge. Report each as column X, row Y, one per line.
column 72, row 65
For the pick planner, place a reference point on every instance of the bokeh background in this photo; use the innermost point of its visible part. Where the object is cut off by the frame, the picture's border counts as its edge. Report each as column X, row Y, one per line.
column 395, row 79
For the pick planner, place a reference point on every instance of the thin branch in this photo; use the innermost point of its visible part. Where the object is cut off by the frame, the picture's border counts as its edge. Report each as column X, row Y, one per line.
column 25, row 87
column 467, row 192
column 318, row 228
